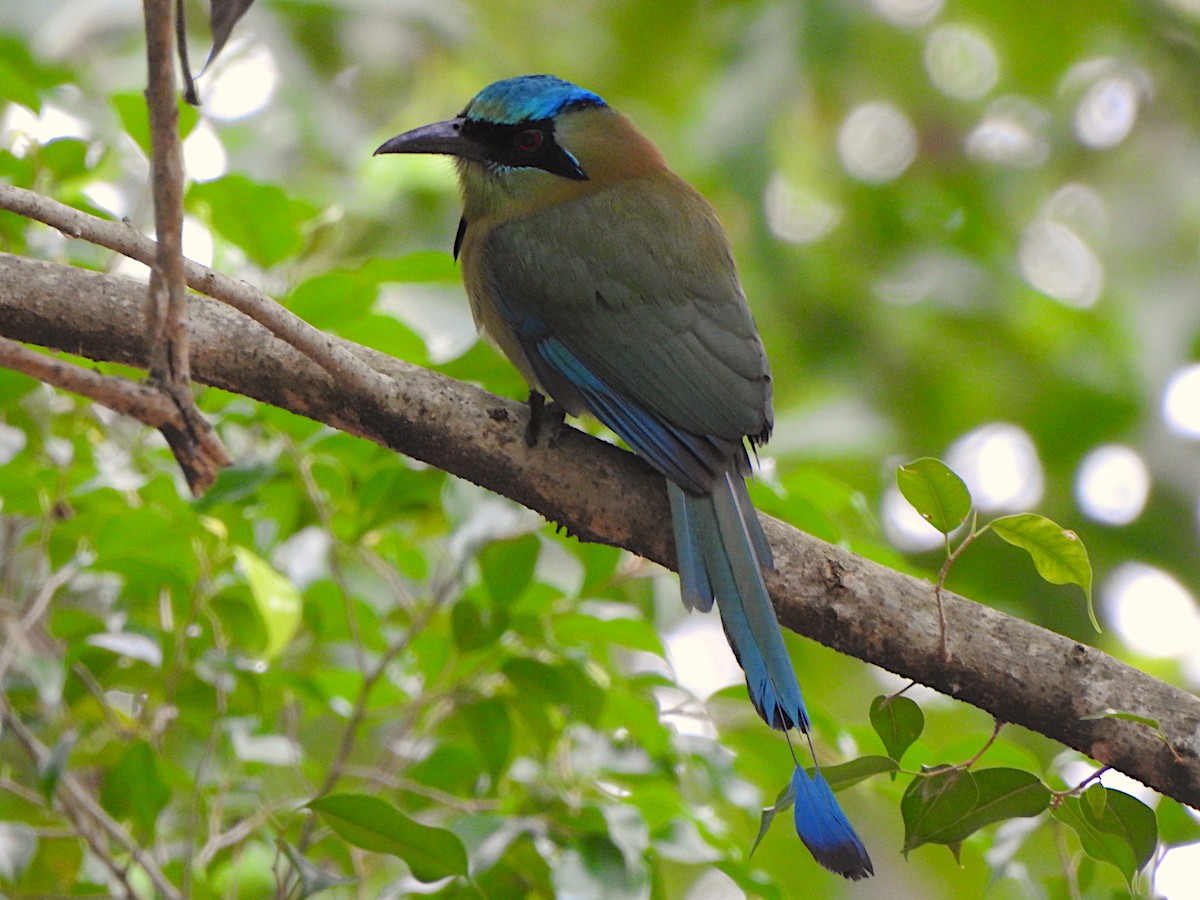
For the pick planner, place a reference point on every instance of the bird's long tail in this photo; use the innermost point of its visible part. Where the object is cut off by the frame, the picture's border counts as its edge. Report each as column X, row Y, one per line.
column 722, row 554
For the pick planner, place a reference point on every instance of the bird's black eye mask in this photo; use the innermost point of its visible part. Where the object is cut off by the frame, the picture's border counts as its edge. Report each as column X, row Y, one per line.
column 523, row 145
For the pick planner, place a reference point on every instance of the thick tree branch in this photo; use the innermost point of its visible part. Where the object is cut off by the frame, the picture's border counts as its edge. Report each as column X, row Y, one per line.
column 1018, row 672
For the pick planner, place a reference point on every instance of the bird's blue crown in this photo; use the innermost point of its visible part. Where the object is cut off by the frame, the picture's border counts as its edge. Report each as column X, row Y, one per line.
column 527, row 98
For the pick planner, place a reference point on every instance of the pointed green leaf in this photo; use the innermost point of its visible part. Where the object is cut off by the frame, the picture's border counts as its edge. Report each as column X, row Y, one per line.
column 1122, row 831
column 898, row 721
column 133, row 788
column 1176, row 825
column 373, row 824
column 850, row 773
column 276, row 599
column 783, row 802
column 1096, row 799
column 239, row 208
column 508, row 567
column 1058, row 553
column 490, row 726
column 947, row 808
column 1121, row 714
column 939, row 495
column 135, row 118
column 932, row 803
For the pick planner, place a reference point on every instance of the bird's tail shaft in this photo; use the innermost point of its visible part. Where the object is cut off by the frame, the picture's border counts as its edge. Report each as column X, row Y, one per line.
column 722, row 553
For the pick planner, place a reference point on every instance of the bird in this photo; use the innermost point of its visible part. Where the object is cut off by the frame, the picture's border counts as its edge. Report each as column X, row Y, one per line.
column 610, row 284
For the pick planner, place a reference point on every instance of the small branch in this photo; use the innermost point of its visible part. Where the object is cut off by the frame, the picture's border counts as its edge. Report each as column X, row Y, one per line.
column 166, row 312
column 144, row 402
column 79, row 804
column 195, row 445
column 350, row 373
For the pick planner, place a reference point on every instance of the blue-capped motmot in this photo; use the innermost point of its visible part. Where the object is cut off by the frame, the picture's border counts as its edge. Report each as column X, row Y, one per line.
column 610, row 284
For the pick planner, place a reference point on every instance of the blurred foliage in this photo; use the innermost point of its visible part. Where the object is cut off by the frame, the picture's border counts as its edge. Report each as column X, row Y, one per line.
column 948, row 217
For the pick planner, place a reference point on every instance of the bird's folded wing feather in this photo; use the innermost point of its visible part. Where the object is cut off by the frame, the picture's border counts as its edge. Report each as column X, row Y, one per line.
column 650, row 303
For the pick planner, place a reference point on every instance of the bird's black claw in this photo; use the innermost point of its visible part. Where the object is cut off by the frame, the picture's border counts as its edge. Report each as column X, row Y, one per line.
column 544, row 415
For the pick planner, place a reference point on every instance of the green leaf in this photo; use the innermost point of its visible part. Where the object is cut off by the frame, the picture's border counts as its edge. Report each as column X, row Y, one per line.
column 468, row 627
column 1121, row 830
column 783, row 802
column 54, row 868
column 491, row 729
column 947, row 807
column 581, row 629
column 508, row 566
column 420, row 267
column 135, row 119
column 22, row 75
column 276, row 599
column 373, row 824
column 1058, row 554
column 898, row 721
column 134, row 789
column 387, row 334
column 260, row 218
column 1121, row 714
column 332, row 299
column 1176, row 825
column 846, row 774
column 939, row 495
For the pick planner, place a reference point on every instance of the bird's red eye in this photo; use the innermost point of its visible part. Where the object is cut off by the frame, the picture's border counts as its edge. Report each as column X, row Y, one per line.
column 529, row 140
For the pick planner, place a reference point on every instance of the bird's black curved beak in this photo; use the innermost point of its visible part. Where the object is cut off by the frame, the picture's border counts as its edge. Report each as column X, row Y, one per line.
column 440, row 137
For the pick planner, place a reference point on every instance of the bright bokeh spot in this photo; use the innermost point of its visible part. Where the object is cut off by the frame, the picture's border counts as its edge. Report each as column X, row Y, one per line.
column 1112, row 485
column 908, row 13
column 877, row 143
column 1153, row 613
column 1181, row 402
column 1000, row 466
column 1012, row 133
column 20, row 128
column 1080, row 208
column 1178, row 873
column 703, row 664
column 1057, row 262
column 795, row 214
column 243, row 86
column 961, row 62
column 204, row 154
column 904, row 527
column 1109, row 106
column 938, row 276
column 197, row 241
column 107, row 196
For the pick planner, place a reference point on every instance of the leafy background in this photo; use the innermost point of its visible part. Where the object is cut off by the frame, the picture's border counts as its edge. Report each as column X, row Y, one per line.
column 967, row 230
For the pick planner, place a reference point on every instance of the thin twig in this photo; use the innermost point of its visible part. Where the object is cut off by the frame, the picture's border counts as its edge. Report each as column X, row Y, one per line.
column 196, row 447
column 144, row 402
column 369, row 387
column 940, row 587
column 219, row 840
column 78, row 802
column 33, row 613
